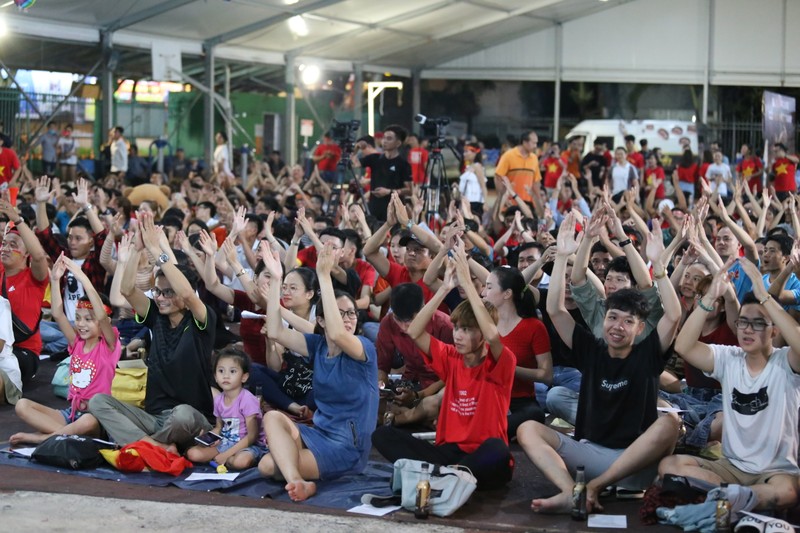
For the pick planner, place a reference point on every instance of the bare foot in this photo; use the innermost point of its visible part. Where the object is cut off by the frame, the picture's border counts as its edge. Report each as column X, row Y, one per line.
column 169, row 447
column 27, row 438
column 559, row 504
column 301, row 490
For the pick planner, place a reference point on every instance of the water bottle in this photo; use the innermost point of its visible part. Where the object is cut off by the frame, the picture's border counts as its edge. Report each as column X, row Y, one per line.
column 723, row 514
column 423, row 507
column 579, row 495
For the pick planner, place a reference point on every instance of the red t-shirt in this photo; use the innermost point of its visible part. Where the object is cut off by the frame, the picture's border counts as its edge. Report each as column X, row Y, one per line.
column 254, row 343
column 636, row 159
column 750, row 169
column 527, row 340
column 687, row 174
column 475, row 402
column 399, row 274
column 703, row 169
column 391, row 340
column 25, row 294
column 331, row 154
column 552, row 171
column 784, row 171
column 9, row 163
column 650, row 176
column 418, row 159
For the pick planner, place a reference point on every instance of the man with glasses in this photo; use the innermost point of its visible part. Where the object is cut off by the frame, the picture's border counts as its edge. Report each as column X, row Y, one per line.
column 85, row 237
column 178, row 403
column 761, row 398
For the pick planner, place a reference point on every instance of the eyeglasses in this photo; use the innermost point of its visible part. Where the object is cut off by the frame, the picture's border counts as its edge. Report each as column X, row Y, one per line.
column 166, row 293
column 352, row 314
column 757, row 325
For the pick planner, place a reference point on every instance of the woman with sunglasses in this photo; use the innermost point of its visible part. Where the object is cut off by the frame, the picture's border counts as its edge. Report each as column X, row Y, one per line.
column 472, row 183
column 345, row 389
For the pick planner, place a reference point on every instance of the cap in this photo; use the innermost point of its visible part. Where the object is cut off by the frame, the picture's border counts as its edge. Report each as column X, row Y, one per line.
column 405, row 239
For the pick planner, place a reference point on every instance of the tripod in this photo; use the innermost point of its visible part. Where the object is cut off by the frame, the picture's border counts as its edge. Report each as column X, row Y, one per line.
column 347, row 180
column 436, row 191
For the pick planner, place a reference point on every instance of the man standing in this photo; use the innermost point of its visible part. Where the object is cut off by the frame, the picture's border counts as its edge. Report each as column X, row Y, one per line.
column 119, row 151
column 326, row 156
column 521, row 166
column 49, row 141
column 418, row 158
column 634, row 158
column 389, row 171
column 783, row 172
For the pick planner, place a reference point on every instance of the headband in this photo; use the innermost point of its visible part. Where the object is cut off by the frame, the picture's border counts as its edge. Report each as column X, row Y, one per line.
column 83, row 304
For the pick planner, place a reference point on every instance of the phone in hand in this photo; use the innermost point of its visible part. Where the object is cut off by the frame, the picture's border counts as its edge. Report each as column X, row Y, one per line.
column 208, row 439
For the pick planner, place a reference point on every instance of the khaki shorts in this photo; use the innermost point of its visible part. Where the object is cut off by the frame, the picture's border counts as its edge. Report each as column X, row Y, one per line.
column 730, row 474
column 12, row 393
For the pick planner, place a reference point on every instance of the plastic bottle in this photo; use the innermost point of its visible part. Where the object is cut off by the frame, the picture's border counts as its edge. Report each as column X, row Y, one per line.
column 579, row 495
column 423, row 507
column 723, row 514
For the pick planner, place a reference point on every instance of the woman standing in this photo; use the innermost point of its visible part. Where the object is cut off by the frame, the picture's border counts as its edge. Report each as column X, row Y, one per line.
column 345, row 388
column 472, row 183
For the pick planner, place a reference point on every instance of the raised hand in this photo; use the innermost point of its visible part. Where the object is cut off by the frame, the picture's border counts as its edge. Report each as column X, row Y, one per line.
column 82, row 196
column 150, row 236
column 400, row 211
column 8, row 210
column 273, row 265
column 208, row 243
column 124, row 248
column 229, row 250
column 181, row 241
column 721, row 280
column 327, row 260
column 567, row 243
column 239, row 221
column 450, row 280
column 59, row 268
column 42, row 192
column 654, row 249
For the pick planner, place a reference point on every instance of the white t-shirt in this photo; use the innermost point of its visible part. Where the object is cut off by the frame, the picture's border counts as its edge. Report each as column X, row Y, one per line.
column 620, row 177
column 119, row 156
column 68, row 147
column 221, row 159
column 73, row 291
column 470, row 187
column 760, row 412
column 8, row 361
column 721, row 170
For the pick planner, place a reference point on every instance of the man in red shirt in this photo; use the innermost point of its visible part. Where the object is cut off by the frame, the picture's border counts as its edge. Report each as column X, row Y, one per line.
column 417, row 158
column 553, row 166
column 783, row 172
column 9, row 162
column 751, row 169
column 326, row 156
column 634, row 158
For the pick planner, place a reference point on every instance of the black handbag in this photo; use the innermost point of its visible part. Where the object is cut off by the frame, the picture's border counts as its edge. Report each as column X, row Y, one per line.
column 21, row 330
column 69, row 451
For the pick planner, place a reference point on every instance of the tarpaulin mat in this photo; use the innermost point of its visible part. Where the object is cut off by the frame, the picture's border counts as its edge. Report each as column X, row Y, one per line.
column 342, row 493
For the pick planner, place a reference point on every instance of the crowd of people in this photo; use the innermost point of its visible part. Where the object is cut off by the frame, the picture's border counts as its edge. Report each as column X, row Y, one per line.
column 605, row 290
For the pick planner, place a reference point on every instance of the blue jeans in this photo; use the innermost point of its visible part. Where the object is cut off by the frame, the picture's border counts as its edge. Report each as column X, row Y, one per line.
column 370, row 330
column 701, row 405
column 52, row 339
column 563, row 376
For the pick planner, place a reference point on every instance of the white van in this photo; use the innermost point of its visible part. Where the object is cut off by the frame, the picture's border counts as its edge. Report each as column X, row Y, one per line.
column 669, row 135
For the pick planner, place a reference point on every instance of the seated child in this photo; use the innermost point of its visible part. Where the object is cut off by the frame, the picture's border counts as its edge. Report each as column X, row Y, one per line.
column 238, row 416
column 95, row 350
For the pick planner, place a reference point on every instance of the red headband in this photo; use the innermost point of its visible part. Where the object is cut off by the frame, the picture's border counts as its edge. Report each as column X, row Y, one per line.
column 83, row 304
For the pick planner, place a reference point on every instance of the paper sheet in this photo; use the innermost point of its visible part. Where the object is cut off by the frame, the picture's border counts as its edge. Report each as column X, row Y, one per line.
column 671, row 410
column 373, row 511
column 618, row 521
column 763, row 518
column 27, row 452
column 212, row 477
column 250, row 314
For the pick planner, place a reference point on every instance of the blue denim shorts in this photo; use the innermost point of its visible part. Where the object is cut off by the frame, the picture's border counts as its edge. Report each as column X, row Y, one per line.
column 257, row 451
column 67, row 414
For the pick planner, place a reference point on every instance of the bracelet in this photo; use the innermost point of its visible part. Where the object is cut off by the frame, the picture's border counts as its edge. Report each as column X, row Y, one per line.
column 409, row 224
column 293, row 242
column 703, row 307
column 241, row 273
column 626, row 242
column 87, row 207
column 765, row 300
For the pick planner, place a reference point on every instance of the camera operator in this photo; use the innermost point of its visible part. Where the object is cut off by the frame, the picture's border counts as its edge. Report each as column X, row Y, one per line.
column 389, row 171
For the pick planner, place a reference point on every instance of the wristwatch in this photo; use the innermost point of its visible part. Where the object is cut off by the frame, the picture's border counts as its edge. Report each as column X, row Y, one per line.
column 162, row 259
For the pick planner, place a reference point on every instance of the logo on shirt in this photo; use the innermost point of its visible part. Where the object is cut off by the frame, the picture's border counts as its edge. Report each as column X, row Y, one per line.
column 749, row 404
column 392, row 168
column 613, row 387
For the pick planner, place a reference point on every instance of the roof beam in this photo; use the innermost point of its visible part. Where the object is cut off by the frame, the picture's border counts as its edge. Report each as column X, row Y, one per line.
column 495, row 7
column 271, row 21
column 145, row 14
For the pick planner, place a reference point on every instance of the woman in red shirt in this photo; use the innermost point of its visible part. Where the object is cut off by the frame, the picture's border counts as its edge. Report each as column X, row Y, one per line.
column 478, row 373
column 687, row 173
column 652, row 173
column 526, row 336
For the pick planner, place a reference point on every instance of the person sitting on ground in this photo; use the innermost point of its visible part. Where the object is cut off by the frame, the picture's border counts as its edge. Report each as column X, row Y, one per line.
column 238, row 415
column 760, row 391
column 94, row 348
column 619, row 436
column 10, row 375
column 478, row 373
column 178, row 403
column 345, row 386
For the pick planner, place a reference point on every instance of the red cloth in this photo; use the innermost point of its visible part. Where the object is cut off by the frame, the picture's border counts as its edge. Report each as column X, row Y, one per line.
column 687, row 174
column 650, row 176
column 399, row 274
column 25, row 294
column 636, row 159
column 418, row 159
column 9, row 162
column 475, row 402
column 526, row 341
column 152, row 457
column 751, row 166
column 254, row 343
column 552, row 171
column 784, row 171
column 331, row 153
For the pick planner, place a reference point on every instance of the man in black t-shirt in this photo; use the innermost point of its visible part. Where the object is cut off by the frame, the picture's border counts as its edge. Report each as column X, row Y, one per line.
column 595, row 163
column 390, row 171
column 178, row 402
column 618, row 433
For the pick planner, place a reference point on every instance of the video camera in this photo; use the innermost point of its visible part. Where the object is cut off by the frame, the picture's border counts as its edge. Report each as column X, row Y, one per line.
column 344, row 133
column 433, row 128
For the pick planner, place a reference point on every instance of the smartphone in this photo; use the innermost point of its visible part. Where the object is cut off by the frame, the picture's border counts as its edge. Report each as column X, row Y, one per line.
column 208, row 439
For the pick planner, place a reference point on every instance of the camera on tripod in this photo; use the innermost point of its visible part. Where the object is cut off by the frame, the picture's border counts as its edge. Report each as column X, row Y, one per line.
column 344, row 133
column 435, row 129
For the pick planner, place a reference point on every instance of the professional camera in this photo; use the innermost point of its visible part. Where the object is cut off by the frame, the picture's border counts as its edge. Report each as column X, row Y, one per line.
column 433, row 128
column 344, row 133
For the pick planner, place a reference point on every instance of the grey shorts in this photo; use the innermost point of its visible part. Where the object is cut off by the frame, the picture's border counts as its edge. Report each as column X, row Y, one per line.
column 596, row 459
column 12, row 393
